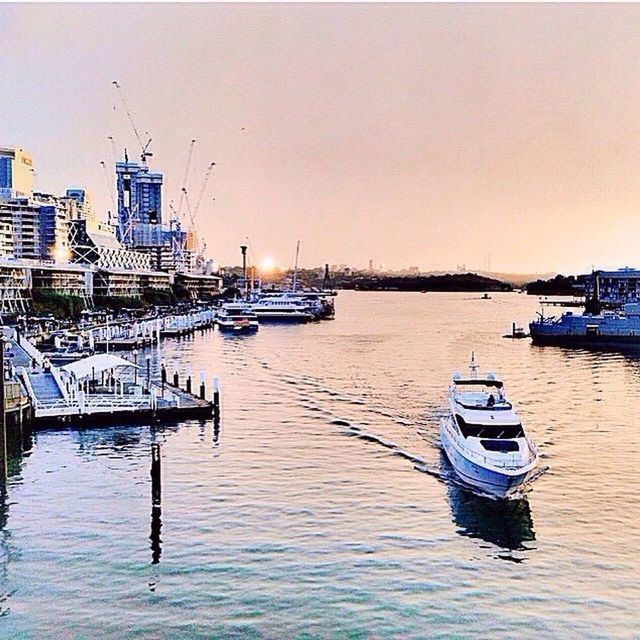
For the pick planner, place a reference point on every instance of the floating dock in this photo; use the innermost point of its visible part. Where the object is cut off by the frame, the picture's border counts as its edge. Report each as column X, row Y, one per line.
column 99, row 389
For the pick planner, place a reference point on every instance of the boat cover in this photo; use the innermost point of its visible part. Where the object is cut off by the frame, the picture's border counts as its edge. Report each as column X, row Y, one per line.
column 86, row 367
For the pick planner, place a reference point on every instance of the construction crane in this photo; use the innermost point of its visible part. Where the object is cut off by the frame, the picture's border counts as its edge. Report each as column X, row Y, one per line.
column 109, row 187
column 114, row 153
column 202, row 189
column 185, row 177
column 194, row 212
column 143, row 146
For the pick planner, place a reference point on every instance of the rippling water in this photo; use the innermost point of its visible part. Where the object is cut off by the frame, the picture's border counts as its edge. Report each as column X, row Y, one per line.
column 323, row 507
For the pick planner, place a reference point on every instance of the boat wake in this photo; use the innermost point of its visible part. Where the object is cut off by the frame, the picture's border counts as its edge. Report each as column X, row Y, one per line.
column 314, row 396
column 404, row 432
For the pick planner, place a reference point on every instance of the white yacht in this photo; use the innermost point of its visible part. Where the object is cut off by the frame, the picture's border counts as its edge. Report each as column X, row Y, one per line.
column 483, row 438
column 237, row 317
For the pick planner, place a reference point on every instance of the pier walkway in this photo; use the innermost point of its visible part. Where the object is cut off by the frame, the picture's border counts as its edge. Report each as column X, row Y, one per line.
column 97, row 388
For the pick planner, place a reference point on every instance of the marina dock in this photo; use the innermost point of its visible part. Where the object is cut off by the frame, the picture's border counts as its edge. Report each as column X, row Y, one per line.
column 102, row 388
column 126, row 335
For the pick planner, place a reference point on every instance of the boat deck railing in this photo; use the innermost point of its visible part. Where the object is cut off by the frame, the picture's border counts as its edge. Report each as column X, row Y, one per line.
column 512, row 461
column 102, row 403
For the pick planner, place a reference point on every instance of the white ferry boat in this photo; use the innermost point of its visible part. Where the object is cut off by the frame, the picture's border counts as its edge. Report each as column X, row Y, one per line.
column 237, row 317
column 483, row 437
column 282, row 308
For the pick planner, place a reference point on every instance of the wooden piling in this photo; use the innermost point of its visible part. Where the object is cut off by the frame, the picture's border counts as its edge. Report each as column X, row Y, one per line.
column 156, row 475
column 216, row 403
column 156, row 503
column 202, row 386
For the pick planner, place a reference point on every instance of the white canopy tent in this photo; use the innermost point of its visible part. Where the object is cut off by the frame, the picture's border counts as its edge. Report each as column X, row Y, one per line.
column 88, row 367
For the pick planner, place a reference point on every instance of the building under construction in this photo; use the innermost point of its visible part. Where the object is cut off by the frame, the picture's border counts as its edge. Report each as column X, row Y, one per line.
column 57, row 244
column 141, row 225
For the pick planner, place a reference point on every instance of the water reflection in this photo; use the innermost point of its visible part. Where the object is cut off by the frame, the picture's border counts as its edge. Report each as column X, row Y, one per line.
column 505, row 523
column 156, row 528
column 120, row 439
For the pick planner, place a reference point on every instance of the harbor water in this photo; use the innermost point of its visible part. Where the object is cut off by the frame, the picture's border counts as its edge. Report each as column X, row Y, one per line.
column 323, row 507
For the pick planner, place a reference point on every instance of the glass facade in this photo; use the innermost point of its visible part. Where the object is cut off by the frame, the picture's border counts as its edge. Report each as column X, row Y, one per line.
column 139, row 195
column 6, row 176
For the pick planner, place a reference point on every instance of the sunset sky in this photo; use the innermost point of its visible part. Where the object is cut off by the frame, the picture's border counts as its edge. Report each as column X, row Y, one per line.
column 427, row 135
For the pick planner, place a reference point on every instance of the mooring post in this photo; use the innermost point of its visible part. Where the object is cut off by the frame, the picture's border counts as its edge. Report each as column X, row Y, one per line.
column 216, row 401
column 176, row 379
column 156, row 475
column 189, row 384
column 202, row 387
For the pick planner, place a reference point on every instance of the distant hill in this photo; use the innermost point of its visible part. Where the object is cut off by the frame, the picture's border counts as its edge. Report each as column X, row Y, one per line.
column 446, row 282
column 518, row 280
column 557, row 286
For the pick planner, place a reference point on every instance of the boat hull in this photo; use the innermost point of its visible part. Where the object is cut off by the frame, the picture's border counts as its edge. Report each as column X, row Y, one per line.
column 486, row 480
column 234, row 328
column 267, row 318
column 584, row 341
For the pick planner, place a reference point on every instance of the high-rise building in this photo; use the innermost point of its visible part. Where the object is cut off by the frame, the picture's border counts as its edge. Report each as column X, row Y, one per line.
column 83, row 209
column 22, row 216
column 16, row 173
column 139, row 204
column 54, row 228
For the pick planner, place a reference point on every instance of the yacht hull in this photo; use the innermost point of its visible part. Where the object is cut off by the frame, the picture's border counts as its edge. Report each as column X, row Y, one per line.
column 486, row 480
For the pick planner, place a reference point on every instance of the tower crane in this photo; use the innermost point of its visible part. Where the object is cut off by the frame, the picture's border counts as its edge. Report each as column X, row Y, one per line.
column 143, row 146
column 194, row 212
column 185, row 177
column 109, row 187
column 202, row 189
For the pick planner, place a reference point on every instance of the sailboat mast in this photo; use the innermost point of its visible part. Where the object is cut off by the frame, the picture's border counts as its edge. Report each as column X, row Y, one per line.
column 295, row 271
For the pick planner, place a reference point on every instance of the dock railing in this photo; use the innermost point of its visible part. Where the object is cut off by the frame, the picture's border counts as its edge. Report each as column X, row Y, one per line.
column 92, row 404
column 512, row 461
column 29, row 348
column 24, row 376
column 57, row 376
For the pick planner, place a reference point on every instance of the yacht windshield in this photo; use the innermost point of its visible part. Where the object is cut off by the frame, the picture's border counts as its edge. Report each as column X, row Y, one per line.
column 490, row 431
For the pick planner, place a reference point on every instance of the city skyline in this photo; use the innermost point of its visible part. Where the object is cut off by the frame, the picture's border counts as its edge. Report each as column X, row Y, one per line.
column 420, row 134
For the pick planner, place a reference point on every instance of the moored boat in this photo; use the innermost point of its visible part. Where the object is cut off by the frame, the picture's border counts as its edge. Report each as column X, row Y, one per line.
column 282, row 308
column 483, row 437
column 603, row 329
column 237, row 317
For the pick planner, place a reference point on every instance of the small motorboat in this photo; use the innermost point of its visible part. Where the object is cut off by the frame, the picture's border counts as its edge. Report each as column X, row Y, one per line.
column 517, row 333
column 486, row 296
column 237, row 317
column 483, row 437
